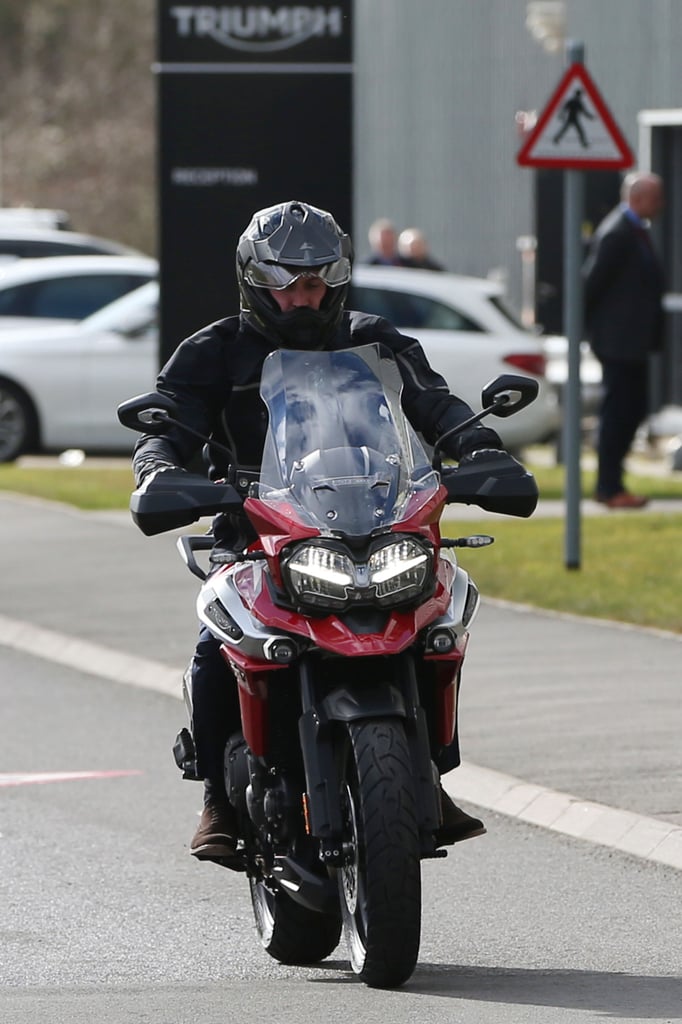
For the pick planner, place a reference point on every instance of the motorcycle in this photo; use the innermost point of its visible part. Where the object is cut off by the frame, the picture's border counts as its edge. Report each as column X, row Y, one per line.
column 345, row 626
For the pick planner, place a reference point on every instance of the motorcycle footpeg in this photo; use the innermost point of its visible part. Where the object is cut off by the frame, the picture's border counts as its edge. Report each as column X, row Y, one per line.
column 434, row 854
column 235, row 863
column 429, row 850
column 185, row 755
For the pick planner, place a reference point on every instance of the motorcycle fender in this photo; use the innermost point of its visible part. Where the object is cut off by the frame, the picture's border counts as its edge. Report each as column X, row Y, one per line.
column 346, row 705
column 343, row 705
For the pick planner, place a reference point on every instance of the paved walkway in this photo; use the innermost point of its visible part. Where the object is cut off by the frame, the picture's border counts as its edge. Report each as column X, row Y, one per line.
column 557, row 509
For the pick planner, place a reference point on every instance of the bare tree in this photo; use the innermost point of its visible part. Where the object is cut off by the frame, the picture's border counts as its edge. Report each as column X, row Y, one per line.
column 77, row 123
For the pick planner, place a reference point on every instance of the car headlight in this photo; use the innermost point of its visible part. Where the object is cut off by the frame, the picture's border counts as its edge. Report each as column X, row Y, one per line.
column 326, row 577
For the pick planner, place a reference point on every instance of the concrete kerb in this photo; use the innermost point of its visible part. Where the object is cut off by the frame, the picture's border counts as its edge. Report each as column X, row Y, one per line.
column 630, row 833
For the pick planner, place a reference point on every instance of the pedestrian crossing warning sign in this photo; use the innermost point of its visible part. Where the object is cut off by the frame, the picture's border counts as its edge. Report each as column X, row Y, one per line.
column 576, row 130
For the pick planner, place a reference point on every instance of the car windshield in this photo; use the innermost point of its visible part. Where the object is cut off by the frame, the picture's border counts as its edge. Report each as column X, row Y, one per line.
column 340, row 454
column 133, row 309
column 510, row 314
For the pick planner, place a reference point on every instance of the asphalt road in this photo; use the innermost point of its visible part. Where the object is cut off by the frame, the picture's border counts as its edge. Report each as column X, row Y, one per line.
column 104, row 916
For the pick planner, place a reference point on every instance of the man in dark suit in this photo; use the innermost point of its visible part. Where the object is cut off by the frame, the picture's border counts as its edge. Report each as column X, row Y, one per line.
column 624, row 320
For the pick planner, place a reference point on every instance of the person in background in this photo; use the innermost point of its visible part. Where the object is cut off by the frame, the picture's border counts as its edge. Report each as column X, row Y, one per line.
column 413, row 250
column 383, row 244
column 624, row 323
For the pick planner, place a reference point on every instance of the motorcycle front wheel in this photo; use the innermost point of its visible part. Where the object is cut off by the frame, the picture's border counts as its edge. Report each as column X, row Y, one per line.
column 290, row 932
column 380, row 883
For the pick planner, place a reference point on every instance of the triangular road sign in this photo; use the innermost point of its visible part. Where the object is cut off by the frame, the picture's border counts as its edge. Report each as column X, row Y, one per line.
column 576, row 130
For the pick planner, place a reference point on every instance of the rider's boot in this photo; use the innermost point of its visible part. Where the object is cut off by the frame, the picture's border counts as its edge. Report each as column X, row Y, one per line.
column 216, row 835
column 456, row 825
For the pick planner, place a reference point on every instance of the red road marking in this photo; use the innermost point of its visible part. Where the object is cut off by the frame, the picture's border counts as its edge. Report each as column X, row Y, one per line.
column 38, row 778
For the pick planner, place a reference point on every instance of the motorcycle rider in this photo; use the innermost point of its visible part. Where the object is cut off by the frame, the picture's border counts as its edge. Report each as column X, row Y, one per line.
column 293, row 270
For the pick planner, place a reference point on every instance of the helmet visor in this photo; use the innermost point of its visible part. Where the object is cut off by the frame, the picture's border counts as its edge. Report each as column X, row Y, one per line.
column 277, row 277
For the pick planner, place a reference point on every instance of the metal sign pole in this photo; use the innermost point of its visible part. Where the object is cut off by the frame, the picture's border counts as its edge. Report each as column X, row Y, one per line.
column 596, row 145
column 574, row 196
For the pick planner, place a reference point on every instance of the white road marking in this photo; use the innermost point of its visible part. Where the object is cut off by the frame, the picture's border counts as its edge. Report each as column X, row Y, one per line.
column 647, row 838
column 88, row 657
column 40, row 778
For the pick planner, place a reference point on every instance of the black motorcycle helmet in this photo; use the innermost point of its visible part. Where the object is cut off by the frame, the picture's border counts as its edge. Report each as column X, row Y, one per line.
column 282, row 243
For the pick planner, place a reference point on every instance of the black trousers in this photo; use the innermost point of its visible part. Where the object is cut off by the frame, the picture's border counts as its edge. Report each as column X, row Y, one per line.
column 624, row 407
column 215, row 707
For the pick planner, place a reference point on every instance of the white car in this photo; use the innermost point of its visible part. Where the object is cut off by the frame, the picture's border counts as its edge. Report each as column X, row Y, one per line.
column 21, row 239
column 67, row 288
column 556, row 351
column 468, row 336
column 60, row 386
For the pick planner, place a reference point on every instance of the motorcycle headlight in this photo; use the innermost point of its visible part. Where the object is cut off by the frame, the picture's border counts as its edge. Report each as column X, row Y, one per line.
column 325, row 577
column 320, row 576
column 399, row 571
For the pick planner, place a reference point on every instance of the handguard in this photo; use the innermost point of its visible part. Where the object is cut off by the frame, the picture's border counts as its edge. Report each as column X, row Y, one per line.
column 174, row 498
column 497, row 483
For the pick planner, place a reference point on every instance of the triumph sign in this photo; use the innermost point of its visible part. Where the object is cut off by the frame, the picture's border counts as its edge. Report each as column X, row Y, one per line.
column 259, row 29
column 255, row 107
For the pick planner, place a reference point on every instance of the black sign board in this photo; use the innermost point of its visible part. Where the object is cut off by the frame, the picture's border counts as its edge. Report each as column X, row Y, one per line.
column 255, row 107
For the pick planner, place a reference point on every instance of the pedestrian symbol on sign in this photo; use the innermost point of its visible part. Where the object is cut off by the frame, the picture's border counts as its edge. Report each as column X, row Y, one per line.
column 571, row 112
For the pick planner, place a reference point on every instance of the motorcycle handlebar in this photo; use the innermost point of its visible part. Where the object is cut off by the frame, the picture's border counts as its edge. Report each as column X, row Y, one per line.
column 176, row 498
column 497, row 485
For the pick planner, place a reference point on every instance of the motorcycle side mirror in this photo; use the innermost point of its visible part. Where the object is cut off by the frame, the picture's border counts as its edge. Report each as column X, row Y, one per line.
column 508, row 393
column 150, row 413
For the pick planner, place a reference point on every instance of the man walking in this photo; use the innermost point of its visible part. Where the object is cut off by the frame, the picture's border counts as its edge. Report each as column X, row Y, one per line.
column 624, row 321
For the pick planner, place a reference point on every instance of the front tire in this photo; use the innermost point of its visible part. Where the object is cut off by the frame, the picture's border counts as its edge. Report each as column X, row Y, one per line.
column 290, row 932
column 380, row 884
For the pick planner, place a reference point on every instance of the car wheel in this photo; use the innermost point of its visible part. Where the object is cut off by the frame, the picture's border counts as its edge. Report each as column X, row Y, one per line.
column 17, row 422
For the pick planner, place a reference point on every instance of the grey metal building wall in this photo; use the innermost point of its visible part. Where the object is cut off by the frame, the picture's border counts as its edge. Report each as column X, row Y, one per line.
column 438, row 84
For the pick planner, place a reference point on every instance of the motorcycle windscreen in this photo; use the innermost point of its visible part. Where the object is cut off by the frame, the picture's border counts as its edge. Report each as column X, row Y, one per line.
column 339, row 449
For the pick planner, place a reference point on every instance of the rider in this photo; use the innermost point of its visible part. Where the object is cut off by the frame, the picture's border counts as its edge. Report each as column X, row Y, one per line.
column 293, row 270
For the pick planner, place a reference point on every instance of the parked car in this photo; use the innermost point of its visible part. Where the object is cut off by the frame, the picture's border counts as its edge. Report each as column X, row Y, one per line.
column 19, row 240
column 60, row 384
column 33, row 217
column 67, row 288
column 468, row 335
column 556, row 352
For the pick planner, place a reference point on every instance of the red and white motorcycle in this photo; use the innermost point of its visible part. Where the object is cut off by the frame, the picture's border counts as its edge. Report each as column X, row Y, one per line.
column 345, row 625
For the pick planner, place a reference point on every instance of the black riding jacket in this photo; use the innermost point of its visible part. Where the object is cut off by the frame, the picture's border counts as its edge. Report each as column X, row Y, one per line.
column 214, row 377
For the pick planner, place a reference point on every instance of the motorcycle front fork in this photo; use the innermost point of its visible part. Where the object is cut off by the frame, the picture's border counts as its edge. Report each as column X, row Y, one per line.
column 324, row 713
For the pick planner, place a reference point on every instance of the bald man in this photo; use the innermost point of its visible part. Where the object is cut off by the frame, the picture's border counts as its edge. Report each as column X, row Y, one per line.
column 413, row 249
column 624, row 322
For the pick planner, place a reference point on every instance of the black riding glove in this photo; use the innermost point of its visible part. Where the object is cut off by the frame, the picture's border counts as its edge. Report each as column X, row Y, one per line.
column 476, row 440
column 154, row 470
column 481, row 455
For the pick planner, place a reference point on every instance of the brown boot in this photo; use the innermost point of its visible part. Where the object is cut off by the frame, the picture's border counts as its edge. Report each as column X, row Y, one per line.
column 217, row 832
column 456, row 824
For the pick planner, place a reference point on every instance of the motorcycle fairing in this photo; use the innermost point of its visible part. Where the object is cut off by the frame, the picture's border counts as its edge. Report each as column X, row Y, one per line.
column 252, row 686
column 331, row 632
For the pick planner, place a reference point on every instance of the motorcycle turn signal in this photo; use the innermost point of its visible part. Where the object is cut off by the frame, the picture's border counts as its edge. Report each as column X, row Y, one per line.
column 477, row 540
